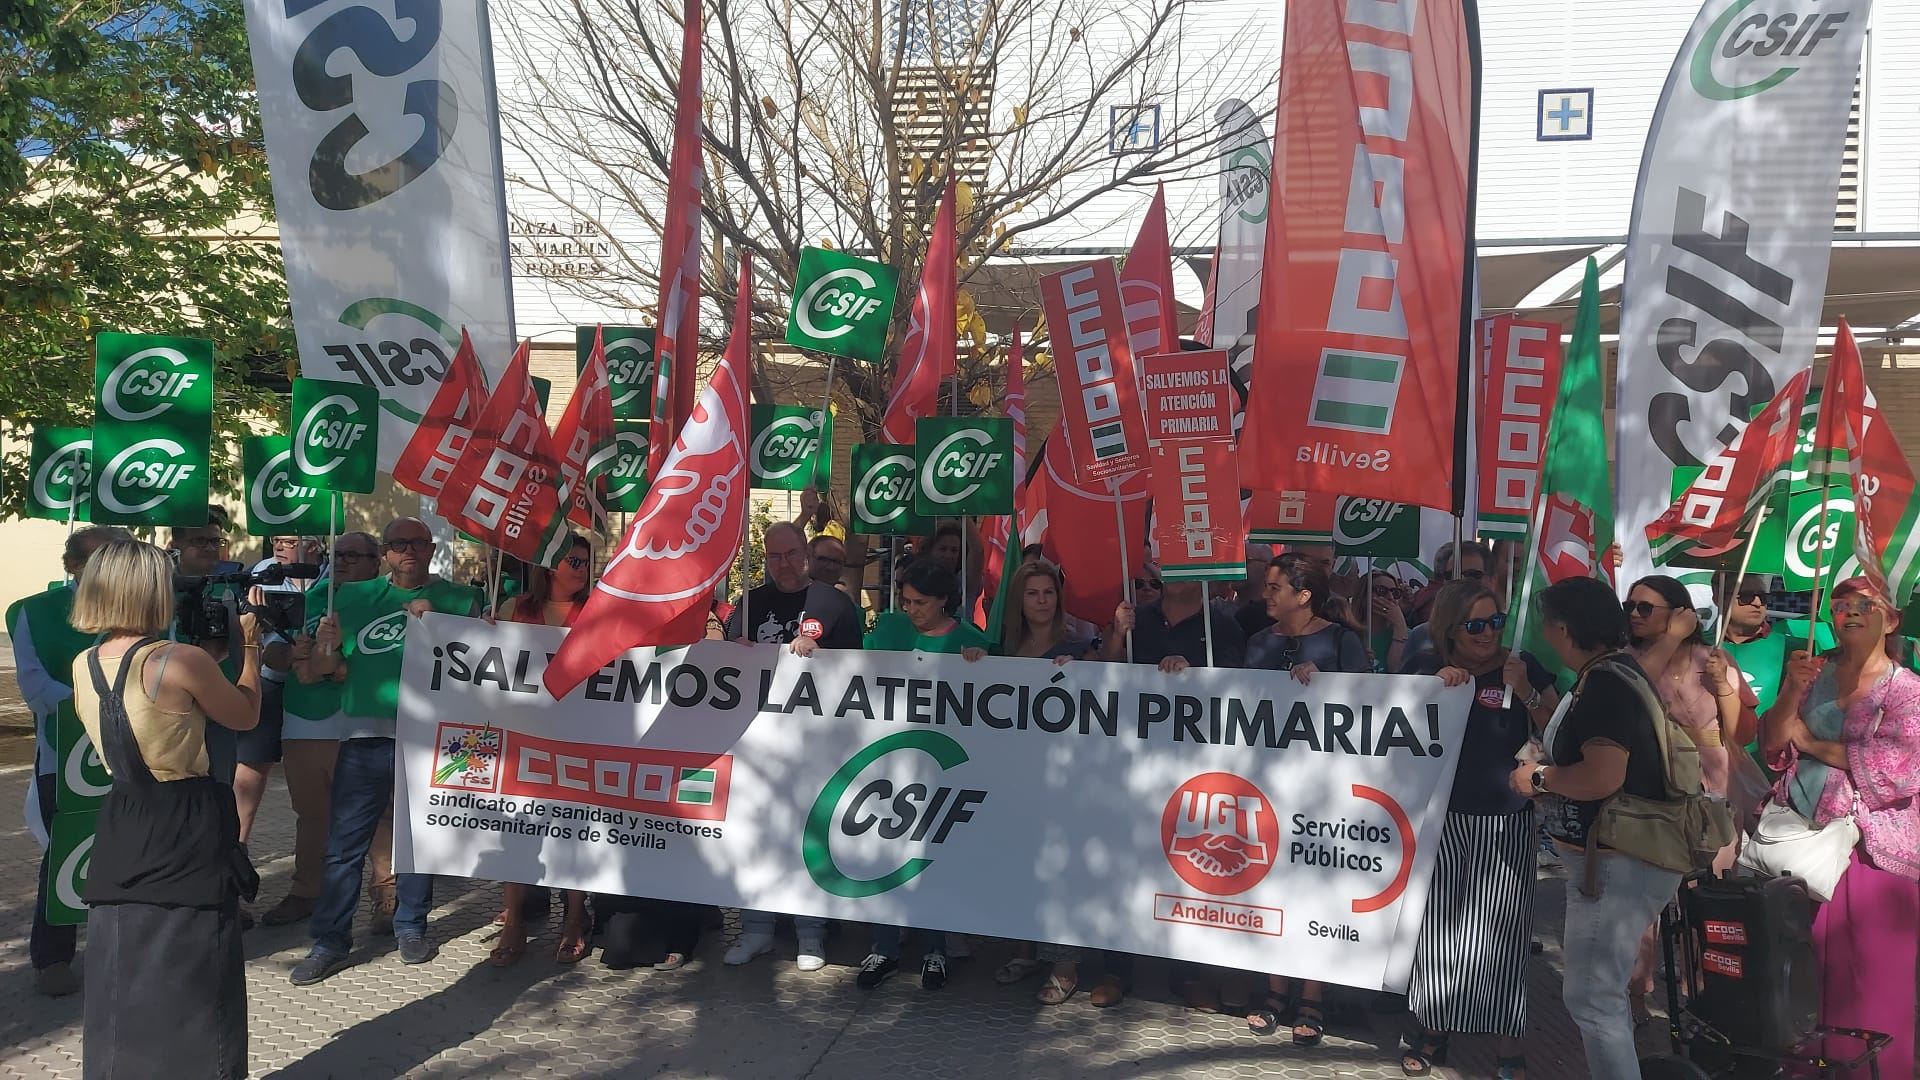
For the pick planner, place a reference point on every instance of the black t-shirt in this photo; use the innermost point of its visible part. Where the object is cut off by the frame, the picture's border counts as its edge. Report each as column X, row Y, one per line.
column 823, row 612
column 1481, row 783
column 1605, row 707
column 1331, row 648
column 1252, row 617
column 1155, row 639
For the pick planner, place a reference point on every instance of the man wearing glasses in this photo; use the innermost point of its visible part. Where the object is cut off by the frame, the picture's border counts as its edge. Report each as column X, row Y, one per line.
column 827, row 561
column 360, row 646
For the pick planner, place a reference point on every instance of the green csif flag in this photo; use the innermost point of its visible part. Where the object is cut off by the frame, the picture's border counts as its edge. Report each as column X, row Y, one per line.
column 842, row 306
column 629, row 352
column 882, row 492
column 626, row 480
column 789, row 444
column 60, row 483
column 152, row 429
column 277, row 505
column 336, row 432
column 1573, row 521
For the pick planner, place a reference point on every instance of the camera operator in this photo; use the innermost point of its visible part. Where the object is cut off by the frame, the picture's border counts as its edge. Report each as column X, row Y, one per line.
column 44, row 645
column 260, row 749
column 196, row 553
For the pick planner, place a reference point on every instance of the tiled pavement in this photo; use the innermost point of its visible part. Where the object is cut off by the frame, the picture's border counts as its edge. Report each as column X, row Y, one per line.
column 459, row 1017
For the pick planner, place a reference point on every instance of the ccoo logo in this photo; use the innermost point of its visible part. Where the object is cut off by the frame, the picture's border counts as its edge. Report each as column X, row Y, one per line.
column 150, row 465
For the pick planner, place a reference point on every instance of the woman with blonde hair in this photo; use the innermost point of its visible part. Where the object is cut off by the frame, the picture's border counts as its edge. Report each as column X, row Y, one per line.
column 166, row 989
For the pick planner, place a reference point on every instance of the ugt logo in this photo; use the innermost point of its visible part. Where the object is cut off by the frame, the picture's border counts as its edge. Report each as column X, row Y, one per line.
column 1219, row 832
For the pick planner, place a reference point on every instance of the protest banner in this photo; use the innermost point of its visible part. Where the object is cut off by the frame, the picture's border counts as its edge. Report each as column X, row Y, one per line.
column 1522, row 377
column 1099, row 389
column 1197, row 523
column 1187, row 396
column 1242, row 818
column 152, row 429
column 59, row 467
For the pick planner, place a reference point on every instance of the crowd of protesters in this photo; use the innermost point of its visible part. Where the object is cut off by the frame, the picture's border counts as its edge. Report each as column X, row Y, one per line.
column 1828, row 724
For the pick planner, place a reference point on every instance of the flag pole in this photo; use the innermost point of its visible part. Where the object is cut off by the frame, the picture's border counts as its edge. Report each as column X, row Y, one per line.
column 746, row 568
column 1206, row 620
column 1459, row 541
column 1126, row 574
column 1746, row 559
column 333, row 537
column 493, row 583
column 1366, row 597
column 1819, row 549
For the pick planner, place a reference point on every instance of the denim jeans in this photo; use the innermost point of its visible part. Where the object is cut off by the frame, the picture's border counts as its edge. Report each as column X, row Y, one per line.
column 761, row 922
column 48, row 944
column 362, row 792
column 1602, row 942
column 886, row 941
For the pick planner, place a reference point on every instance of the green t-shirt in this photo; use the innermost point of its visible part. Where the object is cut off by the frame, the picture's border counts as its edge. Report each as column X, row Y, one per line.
column 312, row 709
column 373, row 633
column 894, row 632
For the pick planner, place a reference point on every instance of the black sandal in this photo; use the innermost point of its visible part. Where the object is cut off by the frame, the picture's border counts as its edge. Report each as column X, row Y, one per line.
column 1510, row 1068
column 1274, row 1008
column 1311, row 1017
column 1420, row 1060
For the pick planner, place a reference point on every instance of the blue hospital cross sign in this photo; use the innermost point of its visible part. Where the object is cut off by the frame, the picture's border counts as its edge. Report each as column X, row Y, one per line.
column 1564, row 115
column 1133, row 129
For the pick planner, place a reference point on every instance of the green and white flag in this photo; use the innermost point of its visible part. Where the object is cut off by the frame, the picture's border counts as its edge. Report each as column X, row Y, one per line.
column 336, row 433
column 883, row 484
column 152, row 429
column 69, row 851
column 629, row 352
column 1375, row 529
column 58, row 466
column 842, row 306
column 963, row 465
column 276, row 504
column 627, row 479
column 792, row 445
column 81, row 782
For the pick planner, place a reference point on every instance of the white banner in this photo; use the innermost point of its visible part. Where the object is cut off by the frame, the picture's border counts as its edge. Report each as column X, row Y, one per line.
column 1732, row 228
column 1225, row 817
column 383, row 141
column 1246, row 167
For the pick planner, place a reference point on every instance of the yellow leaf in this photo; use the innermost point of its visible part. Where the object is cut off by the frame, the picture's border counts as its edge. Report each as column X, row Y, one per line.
column 1019, row 116
column 963, row 199
column 980, row 395
column 826, row 242
column 207, row 164
column 767, row 105
column 977, row 330
column 916, row 169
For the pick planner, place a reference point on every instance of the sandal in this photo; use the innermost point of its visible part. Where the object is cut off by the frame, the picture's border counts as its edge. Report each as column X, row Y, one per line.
column 1309, row 1024
column 574, row 945
column 1511, row 1068
column 1273, row 1010
column 1419, row 1060
column 1111, row 990
column 673, row 961
column 512, row 946
column 1056, row 990
column 1018, row 969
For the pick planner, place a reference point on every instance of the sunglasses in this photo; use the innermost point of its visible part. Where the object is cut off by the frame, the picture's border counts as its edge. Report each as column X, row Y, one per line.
column 1642, row 608
column 1480, row 626
column 1851, row 605
column 1146, row 583
column 578, row 562
column 416, row 544
column 1750, row 596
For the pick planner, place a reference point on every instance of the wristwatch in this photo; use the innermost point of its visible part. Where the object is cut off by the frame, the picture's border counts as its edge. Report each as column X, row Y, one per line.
column 1540, row 780
column 1534, row 701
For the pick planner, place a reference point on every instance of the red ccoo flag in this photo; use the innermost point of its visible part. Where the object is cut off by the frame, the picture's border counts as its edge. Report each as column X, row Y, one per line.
column 678, row 333
column 587, row 441
column 1853, row 439
column 505, row 489
column 927, row 357
column 441, row 437
column 658, row 586
column 1002, row 532
column 1146, row 285
column 1076, row 525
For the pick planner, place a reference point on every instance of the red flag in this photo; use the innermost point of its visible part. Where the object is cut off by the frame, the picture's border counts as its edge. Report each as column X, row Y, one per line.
column 1716, row 512
column 1146, row 285
column 1003, row 554
column 505, row 489
column 441, row 437
column 927, row 358
column 1357, row 343
column 1106, row 433
column 1852, row 437
column 1079, row 530
column 587, row 441
column 678, row 333
column 658, row 587
column 1520, row 384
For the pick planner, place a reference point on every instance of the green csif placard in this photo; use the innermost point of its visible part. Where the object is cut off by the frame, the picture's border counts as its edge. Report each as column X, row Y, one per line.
column 276, row 504
column 629, row 352
column 842, row 306
column 627, row 478
column 58, row 467
column 1375, row 529
column 336, row 432
column 790, row 446
column 152, row 428
column 963, row 466
column 882, row 492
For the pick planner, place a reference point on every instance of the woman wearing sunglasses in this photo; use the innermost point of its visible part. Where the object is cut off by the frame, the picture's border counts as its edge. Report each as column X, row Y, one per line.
column 1847, row 731
column 554, row 597
column 1470, row 966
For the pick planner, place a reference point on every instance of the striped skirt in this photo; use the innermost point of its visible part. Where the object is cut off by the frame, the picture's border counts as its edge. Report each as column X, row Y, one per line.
column 1470, row 967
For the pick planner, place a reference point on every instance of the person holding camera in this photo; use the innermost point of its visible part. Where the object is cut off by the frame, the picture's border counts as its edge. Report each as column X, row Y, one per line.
column 40, row 628
column 260, row 749
column 361, row 645
column 168, row 872
column 196, row 552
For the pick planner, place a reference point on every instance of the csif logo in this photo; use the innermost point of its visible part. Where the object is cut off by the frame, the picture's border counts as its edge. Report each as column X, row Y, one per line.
column 412, row 349
column 273, row 498
column 327, row 433
column 885, row 494
column 629, row 368
column 63, row 478
column 912, row 812
column 144, row 475
column 83, row 773
column 384, row 634
column 959, row 465
column 1362, row 521
column 847, row 306
column 70, row 877
column 1826, row 541
column 146, row 384
column 787, row 442
column 1750, row 48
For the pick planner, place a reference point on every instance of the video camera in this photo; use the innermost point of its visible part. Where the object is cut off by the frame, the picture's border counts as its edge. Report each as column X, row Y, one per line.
column 201, row 613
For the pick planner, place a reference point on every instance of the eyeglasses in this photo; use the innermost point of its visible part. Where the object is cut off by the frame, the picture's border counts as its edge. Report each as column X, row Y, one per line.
column 417, row 543
column 796, row 555
column 1642, row 608
column 1851, row 605
column 1147, row 583
column 286, row 541
column 578, row 562
column 1495, row 623
column 1476, row 575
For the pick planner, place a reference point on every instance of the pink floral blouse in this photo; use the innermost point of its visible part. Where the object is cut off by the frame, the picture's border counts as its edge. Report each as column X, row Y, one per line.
column 1690, row 702
column 1882, row 740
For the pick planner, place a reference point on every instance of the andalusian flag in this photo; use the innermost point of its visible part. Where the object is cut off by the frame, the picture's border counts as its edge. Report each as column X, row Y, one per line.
column 1573, row 521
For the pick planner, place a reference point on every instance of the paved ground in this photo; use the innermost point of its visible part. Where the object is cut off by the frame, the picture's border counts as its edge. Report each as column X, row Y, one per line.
column 459, row 1017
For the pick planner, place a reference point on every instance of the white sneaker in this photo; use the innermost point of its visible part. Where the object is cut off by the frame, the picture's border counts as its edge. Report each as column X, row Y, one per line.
column 813, row 952
column 748, row 947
